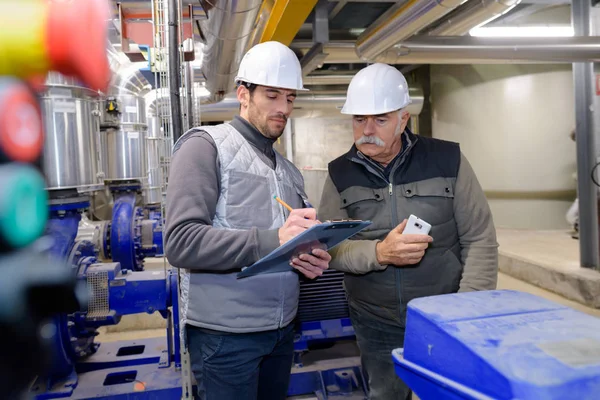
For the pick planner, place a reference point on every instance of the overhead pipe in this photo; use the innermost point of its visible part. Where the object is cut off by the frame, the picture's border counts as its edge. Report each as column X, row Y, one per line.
column 470, row 15
column 306, row 105
column 226, row 31
column 473, row 50
column 327, row 79
column 261, row 22
column 400, row 22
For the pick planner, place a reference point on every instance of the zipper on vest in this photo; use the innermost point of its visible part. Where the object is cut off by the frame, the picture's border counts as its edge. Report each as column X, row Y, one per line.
column 395, row 222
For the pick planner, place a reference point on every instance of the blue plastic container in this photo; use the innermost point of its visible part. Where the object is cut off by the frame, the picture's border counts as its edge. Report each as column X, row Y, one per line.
column 499, row 345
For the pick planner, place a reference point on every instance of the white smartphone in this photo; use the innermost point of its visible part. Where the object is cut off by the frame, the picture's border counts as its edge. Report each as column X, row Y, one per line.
column 417, row 226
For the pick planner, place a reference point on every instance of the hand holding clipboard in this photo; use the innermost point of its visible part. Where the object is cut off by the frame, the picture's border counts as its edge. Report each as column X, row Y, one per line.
column 311, row 261
column 327, row 234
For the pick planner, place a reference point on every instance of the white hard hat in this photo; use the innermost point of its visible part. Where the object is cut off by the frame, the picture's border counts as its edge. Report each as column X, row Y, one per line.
column 271, row 64
column 376, row 89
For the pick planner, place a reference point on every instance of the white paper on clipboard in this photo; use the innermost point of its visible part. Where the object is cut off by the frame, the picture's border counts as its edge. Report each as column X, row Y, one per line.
column 329, row 234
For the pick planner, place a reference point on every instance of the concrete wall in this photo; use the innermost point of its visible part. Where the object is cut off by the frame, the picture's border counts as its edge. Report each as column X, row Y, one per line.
column 316, row 143
column 513, row 123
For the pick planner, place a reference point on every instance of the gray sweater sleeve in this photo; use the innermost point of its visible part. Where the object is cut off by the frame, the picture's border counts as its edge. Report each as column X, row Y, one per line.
column 191, row 241
column 476, row 231
column 353, row 256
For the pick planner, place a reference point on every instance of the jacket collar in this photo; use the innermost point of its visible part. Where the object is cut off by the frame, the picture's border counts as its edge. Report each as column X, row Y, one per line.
column 253, row 136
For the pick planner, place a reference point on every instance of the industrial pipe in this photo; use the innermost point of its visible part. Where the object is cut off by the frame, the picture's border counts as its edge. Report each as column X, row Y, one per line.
column 310, row 105
column 227, row 31
column 174, row 70
column 472, row 14
column 327, row 79
column 189, row 83
column 400, row 22
column 472, row 50
column 583, row 83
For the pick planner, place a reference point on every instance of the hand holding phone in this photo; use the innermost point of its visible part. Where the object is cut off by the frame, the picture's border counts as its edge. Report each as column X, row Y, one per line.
column 416, row 226
column 405, row 244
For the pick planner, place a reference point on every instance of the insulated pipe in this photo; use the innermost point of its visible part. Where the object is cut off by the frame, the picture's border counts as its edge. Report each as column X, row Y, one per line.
column 227, row 30
column 472, row 50
column 310, row 105
column 474, row 13
column 174, row 70
column 400, row 22
column 327, row 79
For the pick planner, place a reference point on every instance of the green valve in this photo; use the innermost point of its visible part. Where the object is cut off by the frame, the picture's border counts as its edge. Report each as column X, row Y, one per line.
column 23, row 204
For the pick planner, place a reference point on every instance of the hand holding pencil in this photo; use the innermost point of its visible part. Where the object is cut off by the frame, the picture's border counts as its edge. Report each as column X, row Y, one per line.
column 311, row 265
column 297, row 222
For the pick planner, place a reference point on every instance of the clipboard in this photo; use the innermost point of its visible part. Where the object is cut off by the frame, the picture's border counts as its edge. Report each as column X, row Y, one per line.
column 329, row 234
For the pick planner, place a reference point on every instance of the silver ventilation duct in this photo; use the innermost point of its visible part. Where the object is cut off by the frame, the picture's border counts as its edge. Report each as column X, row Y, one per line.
column 309, row 105
column 472, row 50
column 324, row 80
column 471, row 15
column 401, row 21
column 226, row 31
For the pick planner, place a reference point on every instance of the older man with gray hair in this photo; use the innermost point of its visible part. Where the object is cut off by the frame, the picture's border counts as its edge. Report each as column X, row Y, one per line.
column 389, row 174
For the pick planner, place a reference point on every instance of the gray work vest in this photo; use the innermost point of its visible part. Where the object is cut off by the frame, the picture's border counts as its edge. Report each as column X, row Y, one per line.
column 220, row 301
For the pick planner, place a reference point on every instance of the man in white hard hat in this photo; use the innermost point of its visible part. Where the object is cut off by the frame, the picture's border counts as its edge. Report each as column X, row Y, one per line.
column 389, row 174
column 222, row 217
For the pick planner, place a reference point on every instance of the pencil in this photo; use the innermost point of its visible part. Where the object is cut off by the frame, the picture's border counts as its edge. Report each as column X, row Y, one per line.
column 283, row 203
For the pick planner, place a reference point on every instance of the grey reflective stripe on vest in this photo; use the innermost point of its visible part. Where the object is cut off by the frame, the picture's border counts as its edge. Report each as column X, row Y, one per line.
column 265, row 302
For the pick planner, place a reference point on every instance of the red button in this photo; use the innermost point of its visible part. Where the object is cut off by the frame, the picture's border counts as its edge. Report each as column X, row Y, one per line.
column 21, row 134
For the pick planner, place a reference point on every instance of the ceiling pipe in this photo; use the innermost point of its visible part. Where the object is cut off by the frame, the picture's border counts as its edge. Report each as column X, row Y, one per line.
column 473, row 50
column 260, row 23
column 226, row 31
column 401, row 21
column 327, row 79
column 306, row 105
column 470, row 15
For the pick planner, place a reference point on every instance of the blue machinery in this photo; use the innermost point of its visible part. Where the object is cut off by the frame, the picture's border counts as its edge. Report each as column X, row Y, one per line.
column 83, row 368
column 524, row 346
column 510, row 344
column 134, row 233
column 151, row 368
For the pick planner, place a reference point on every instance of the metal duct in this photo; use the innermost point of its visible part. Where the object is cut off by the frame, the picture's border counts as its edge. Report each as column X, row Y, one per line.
column 327, row 79
column 226, row 30
column 309, row 105
column 399, row 23
column 475, row 13
column 473, row 50
column 261, row 22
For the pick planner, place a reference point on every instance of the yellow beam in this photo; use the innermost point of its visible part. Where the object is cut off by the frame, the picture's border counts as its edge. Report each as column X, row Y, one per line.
column 286, row 19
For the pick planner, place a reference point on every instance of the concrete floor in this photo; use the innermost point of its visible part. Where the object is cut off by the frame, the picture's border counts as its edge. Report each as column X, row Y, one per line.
column 549, row 260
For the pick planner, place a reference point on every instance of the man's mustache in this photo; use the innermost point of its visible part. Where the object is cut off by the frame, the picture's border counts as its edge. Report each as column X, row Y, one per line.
column 370, row 139
column 279, row 116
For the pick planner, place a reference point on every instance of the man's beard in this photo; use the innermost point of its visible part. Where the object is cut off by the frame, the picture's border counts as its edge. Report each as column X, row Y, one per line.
column 263, row 127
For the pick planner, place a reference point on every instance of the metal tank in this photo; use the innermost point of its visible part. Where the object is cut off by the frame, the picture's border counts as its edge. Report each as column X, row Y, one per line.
column 124, row 127
column 71, row 122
